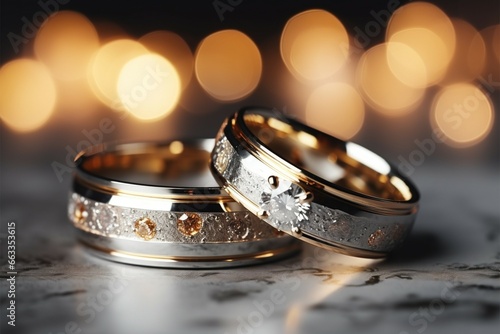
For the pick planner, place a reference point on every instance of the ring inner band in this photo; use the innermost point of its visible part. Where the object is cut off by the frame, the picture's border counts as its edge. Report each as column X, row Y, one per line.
column 173, row 165
column 344, row 164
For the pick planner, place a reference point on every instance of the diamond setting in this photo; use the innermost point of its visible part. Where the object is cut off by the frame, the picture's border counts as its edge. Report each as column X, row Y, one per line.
column 283, row 204
column 145, row 228
column 288, row 208
column 222, row 155
column 120, row 222
column 189, row 223
column 376, row 238
column 80, row 213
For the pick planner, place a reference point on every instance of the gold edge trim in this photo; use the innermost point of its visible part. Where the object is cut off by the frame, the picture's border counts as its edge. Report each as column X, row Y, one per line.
column 174, row 198
column 234, row 192
column 373, row 205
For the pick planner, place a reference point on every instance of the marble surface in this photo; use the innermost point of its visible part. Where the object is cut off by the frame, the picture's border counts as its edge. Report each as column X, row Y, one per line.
column 445, row 279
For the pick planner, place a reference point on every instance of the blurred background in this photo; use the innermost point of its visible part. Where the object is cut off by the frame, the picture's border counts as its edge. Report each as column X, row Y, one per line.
column 415, row 81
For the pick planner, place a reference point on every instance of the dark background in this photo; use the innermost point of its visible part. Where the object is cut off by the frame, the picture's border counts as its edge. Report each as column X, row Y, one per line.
column 263, row 21
column 455, row 238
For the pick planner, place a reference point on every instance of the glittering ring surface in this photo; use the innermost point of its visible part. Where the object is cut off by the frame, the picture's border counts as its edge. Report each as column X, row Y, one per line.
column 182, row 225
column 331, row 193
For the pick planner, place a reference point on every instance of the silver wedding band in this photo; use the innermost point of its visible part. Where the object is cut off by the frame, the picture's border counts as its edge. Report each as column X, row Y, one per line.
column 334, row 194
column 266, row 182
column 158, row 205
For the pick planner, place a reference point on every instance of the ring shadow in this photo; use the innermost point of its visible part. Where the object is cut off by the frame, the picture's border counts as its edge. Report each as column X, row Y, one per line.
column 419, row 246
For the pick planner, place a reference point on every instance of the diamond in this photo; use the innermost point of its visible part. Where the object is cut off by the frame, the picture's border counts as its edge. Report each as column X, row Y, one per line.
column 189, row 223
column 222, row 154
column 145, row 228
column 284, row 204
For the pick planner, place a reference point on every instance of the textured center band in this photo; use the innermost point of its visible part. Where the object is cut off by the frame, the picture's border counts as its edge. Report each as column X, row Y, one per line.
column 248, row 176
column 125, row 209
column 163, row 226
column 333, row 194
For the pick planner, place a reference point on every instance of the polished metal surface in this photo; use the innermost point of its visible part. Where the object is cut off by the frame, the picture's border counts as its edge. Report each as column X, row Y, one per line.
column 124, row 209
column 331, row 193
column 185, row 255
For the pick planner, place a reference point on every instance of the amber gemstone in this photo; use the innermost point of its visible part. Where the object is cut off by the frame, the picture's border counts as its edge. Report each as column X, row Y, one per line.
column 145, row 228
column 376, row 238
column 80, row 213
column 189, row 223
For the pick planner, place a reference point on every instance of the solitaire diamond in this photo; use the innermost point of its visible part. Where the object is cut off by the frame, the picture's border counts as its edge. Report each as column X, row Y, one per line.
column 284, row 205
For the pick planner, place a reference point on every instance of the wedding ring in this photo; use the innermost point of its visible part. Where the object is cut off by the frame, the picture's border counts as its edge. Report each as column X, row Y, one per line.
column 328, row 192
column 158, row 205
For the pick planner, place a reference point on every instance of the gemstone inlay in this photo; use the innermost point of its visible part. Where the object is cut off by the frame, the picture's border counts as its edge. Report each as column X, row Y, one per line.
column 189, row 223
column 120, row 222
column 376, row 238
column 239, row 228
column 80, row 214
column 145, row 228
column 283, row 202
column 222, row 155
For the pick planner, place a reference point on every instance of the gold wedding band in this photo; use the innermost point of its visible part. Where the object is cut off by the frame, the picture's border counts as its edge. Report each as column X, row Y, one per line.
column 315, row 187
column 158, row 205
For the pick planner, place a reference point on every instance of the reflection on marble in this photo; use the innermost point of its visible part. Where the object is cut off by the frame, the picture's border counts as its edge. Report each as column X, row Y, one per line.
column 445, row 279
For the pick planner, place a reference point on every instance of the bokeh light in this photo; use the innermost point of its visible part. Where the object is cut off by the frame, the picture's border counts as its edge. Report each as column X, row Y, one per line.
column 429, row 47
column 174, row 49
column 228, row 65
column 76, row 101
column 106, row 65
column 463, row 113
column 27, row 94
column 149, row 87
column 314, row 45
column 406, row 65
column 196, row 100
column 381, row 89
column 429, row 31
column 65, row 43
column 336, row 108
column 470, row 54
